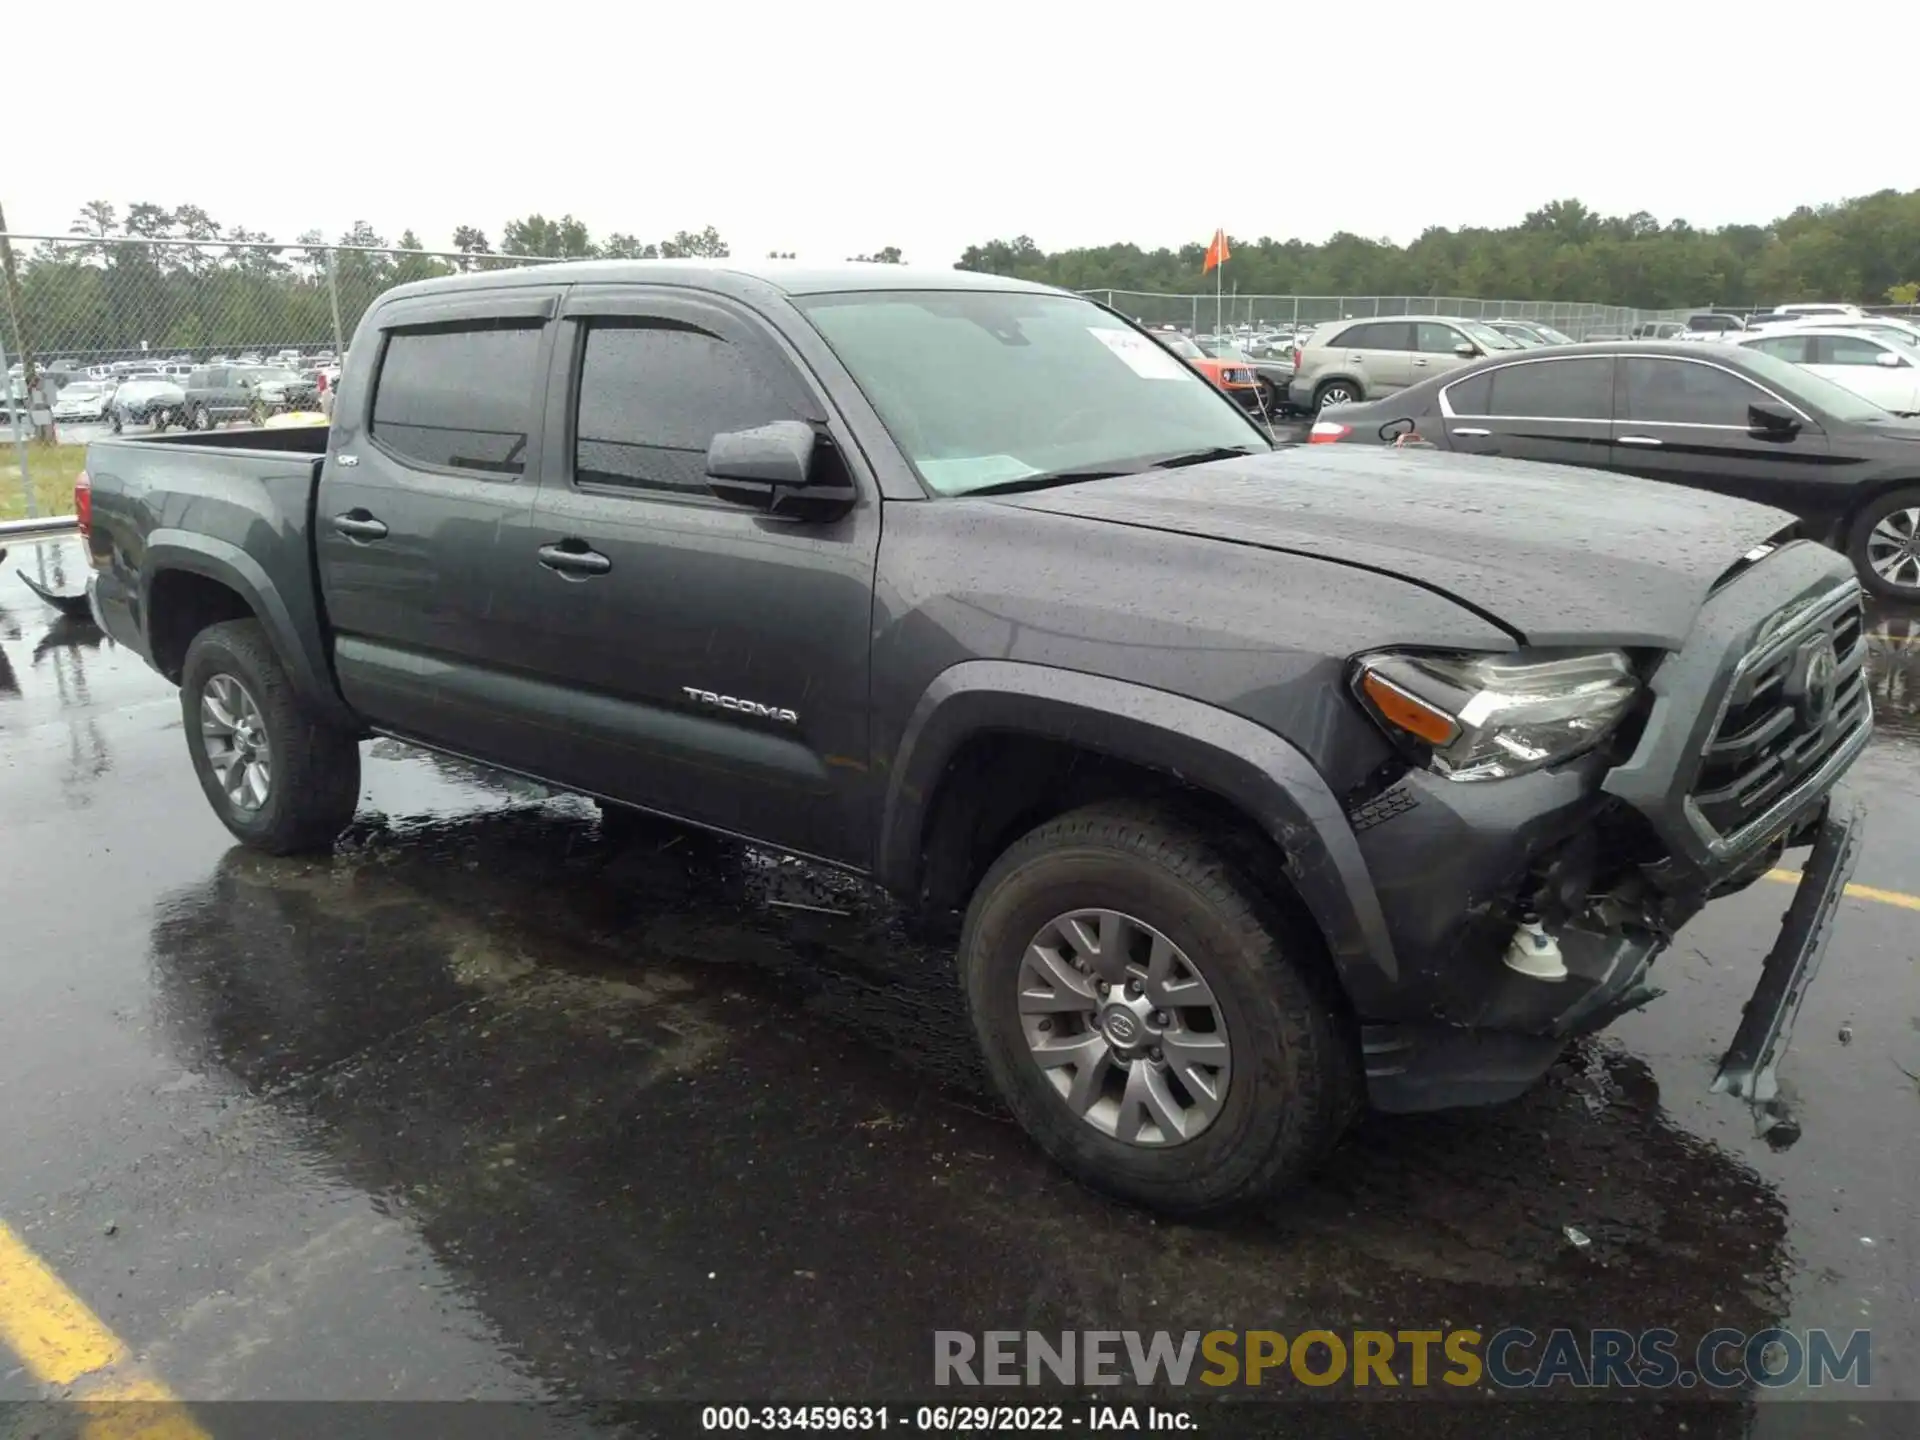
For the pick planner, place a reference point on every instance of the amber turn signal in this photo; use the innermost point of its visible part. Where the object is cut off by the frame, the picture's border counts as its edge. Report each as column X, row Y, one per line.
column 1409, row 712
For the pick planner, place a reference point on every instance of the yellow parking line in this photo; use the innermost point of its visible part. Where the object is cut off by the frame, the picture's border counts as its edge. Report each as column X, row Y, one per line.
column 1858, row 892
column 62, row 1343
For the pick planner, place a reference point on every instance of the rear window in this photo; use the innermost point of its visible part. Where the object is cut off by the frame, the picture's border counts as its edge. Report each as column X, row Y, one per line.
column 1554, row 389
column 459, row 396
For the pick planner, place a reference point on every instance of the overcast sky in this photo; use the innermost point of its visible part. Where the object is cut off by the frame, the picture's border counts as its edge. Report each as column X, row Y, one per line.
column 830, row 127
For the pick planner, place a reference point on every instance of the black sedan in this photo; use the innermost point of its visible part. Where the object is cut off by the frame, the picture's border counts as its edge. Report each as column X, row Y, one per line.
column 1715, row 417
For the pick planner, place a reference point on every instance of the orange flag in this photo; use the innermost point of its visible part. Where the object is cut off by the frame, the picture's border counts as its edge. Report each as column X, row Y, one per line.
column 1216, row 252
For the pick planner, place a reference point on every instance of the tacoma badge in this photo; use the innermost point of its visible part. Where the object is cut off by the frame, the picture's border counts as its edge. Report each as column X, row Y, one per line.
column 743, row 707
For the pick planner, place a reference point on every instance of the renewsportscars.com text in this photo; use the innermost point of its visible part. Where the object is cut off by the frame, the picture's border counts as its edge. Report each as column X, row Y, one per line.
column 1509, row 1358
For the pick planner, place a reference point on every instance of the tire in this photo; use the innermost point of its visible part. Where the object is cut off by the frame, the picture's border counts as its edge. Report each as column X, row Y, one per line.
column 1293, row 1083
column 158, row 420
column 1884, row 544
column 202, row 419
column 256, row 414
column 1335, row 392
column 117, row 422
column 313, row 769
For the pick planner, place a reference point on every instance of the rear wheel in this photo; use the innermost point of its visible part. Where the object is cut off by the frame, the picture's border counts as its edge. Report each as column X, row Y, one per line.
column 1335, row 392
column 1884, row 544
column 1153, row 1026
column 280, row 779
column 202, row 418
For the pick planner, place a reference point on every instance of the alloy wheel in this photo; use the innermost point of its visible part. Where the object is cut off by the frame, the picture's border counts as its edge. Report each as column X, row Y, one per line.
column 1124, row 1027
column 1893, row 548
column 235, row 735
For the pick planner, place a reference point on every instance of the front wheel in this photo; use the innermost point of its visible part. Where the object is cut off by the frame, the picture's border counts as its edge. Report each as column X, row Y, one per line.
column 1884, row 544
column 202, row 418
column 1153, row 1026
column 280, row 779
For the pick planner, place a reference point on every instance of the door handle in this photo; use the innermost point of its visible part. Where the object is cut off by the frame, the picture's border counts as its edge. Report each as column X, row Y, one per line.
column 359, row 525
column 573, row 558
column 1469, row 430
column 1420, row 364
column 1636, row 440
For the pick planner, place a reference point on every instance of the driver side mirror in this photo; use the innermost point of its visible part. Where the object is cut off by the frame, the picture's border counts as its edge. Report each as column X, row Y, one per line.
column 1887, row 358
column 1466, row 350
column 772, row 468
column 1775, row 421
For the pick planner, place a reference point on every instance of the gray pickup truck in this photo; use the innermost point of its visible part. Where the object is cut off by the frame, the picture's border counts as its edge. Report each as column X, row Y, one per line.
column 1263, row 783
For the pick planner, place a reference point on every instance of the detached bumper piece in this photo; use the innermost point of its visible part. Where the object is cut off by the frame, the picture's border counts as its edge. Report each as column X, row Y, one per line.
column 1766, row 1023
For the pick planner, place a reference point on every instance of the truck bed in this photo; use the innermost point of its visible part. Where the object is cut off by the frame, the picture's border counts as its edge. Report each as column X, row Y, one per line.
column 235, row 506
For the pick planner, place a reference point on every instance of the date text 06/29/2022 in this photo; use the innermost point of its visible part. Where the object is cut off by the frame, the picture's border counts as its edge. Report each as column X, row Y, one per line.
column 947, row 1419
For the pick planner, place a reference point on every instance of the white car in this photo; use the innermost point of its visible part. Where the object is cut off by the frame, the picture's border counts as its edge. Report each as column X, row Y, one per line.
column 1883, row 370
column 82, row 400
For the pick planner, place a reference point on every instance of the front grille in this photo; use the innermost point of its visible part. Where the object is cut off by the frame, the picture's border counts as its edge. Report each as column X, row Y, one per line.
column 1784, row 716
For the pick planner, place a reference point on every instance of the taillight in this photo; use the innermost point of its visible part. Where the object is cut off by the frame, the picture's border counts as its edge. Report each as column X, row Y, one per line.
column 1326, row 432
column 83, row 502
column 1296, row 357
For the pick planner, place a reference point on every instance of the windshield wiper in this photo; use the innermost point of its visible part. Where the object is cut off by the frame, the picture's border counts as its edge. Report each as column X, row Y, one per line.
column 1110, row 472
column 1045, row 481
column 1203, row 457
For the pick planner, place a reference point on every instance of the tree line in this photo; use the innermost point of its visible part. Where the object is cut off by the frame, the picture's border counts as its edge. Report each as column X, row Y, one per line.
column 213, row 288
column 1865, row 250
column 91, row 295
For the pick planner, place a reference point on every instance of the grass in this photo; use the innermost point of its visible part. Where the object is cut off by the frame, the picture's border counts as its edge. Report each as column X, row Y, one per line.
column 52, row 467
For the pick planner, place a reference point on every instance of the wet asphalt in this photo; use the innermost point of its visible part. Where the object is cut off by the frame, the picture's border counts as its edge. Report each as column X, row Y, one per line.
column 491, row 1105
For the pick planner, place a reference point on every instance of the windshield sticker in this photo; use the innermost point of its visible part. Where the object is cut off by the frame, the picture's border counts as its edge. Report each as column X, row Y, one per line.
column 1146, row 358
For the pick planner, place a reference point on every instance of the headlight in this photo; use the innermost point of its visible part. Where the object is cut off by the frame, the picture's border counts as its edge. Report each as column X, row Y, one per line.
column 1486, row 717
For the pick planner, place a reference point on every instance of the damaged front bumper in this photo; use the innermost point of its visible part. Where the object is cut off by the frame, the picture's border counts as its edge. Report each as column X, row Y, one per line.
column 1766, row 1022
column 1615, row 856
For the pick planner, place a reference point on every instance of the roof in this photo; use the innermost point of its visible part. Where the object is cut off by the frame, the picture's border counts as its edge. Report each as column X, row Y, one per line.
column 728, row 277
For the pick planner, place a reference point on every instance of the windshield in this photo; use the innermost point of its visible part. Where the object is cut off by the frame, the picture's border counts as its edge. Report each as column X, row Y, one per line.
column 85, row 390
column 1488, row 338
column 1557, row 337
column 981, row 388
column 1180, row 345
column 1798, row 383
column 273, row 377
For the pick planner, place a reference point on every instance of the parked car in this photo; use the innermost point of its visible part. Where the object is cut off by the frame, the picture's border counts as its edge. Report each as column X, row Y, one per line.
column 1232, row 374
column 1656, row 330
column 1530, row 333
column 1729, row 418
column 1350, row 360
column 1709, row 325
column 147, row 401
column 82, row 401
column 1883, row 371
column 240, row 392
column 1273, row 374
column 968, row 585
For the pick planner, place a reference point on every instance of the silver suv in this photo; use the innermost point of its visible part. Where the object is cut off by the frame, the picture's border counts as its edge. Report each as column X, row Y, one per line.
column 1349, row 360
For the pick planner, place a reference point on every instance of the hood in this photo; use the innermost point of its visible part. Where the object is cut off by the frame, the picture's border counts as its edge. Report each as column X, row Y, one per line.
column 1556, row 555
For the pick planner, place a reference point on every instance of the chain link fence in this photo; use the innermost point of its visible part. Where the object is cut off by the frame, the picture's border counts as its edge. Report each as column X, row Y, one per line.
column 1200, row 312
column 97, row 327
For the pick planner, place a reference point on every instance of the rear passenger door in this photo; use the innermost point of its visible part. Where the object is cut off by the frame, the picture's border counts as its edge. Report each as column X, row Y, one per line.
column 1554, row 410
column 680, row 615
column 422, row 516
column 1377, row 353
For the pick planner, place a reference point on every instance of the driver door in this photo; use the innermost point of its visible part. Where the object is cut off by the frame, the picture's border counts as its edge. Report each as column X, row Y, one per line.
column 711, row 660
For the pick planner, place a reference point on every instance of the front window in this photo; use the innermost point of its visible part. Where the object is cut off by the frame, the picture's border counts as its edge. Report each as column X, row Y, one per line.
column 982, row 388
